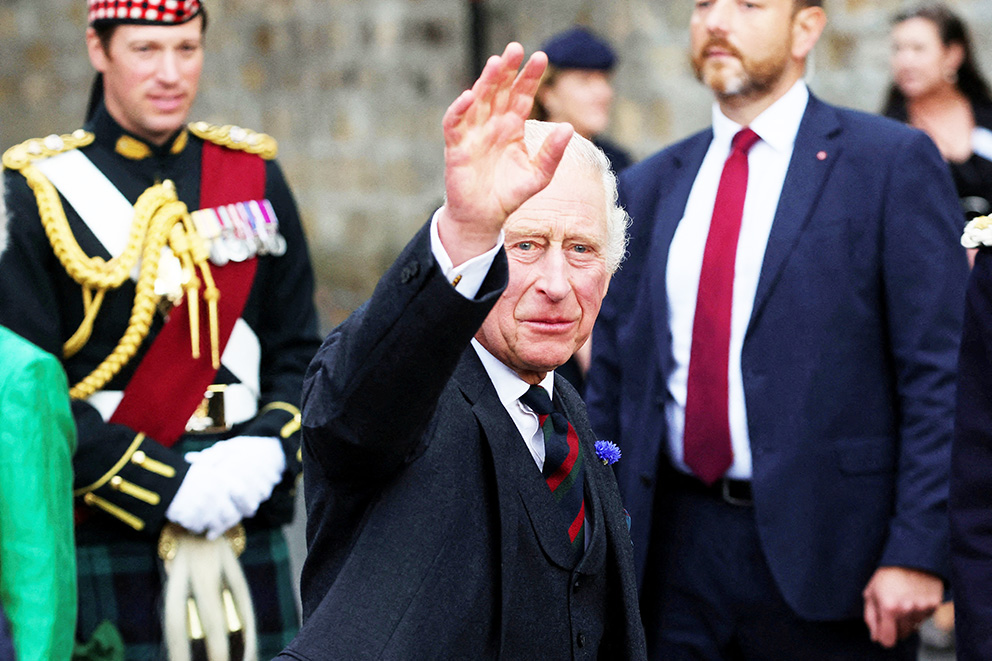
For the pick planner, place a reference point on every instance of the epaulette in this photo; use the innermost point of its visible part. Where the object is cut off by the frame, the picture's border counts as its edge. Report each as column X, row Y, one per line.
column 22, row 155
column 235, row 137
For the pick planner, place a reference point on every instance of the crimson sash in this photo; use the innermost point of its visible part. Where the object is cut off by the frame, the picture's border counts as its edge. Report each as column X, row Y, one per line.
column 169, row 384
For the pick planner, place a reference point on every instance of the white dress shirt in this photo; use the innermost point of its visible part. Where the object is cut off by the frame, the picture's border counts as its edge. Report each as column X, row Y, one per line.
column 768, row 162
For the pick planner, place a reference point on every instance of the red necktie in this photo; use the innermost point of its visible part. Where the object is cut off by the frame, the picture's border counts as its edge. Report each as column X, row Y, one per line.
column 707, row 423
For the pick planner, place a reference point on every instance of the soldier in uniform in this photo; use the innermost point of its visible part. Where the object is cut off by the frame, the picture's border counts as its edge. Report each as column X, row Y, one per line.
column 165, row 263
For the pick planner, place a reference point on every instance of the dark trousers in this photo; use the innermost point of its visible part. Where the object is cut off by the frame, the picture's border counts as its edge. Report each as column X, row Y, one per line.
column 6, row 639
column 709, row 595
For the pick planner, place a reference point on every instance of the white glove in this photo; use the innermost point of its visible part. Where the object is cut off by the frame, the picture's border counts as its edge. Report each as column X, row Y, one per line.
column 249, row 466
column 203, row 503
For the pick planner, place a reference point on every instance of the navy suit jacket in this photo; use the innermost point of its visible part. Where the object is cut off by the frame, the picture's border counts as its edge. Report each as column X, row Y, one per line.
column 848, row 360
column 419, row 488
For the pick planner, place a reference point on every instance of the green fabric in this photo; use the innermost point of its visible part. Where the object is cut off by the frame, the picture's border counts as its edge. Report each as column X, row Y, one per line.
column 106, row 644
column 37, row 559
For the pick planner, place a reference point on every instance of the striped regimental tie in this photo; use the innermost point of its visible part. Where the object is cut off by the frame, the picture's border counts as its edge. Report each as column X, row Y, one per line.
column 563, row 466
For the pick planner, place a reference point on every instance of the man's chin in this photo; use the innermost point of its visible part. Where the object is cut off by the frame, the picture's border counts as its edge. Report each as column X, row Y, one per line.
column 725, row 83
column 546, row 361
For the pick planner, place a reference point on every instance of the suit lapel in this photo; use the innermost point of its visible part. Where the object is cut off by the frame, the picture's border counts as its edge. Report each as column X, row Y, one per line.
column 815, row 152
column 669, row 212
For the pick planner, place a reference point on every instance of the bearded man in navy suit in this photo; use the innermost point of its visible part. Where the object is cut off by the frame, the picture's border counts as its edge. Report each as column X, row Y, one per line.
column 432, row 530
column 799, row 512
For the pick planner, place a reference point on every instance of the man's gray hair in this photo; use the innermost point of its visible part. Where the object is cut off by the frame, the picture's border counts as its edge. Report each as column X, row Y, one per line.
column 582, row 151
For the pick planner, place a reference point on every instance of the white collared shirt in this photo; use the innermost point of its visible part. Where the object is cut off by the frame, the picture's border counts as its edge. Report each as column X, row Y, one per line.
column 768, row 162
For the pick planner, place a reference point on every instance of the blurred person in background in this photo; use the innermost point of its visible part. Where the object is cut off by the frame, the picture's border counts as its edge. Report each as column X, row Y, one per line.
column 938, row 88
column 164, row 263
column 578, row 88
column 776, row 361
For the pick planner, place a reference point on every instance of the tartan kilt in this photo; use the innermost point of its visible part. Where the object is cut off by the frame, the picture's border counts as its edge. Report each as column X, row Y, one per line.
column 122, row 581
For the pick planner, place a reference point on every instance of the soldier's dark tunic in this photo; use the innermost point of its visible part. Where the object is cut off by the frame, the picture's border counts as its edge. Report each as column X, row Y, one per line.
column 119, row 571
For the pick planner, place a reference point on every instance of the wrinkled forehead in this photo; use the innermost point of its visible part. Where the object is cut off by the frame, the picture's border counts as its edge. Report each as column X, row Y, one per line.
column 573, row 205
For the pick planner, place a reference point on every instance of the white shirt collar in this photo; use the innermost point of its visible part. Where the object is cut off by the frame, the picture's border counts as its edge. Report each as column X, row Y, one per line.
column 509, row 386
column 777, row 125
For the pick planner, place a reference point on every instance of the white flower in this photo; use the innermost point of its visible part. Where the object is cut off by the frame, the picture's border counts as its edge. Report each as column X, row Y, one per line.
column 977, row 233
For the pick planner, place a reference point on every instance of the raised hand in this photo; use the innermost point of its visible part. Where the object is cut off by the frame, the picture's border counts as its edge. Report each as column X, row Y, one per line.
column 488, row 171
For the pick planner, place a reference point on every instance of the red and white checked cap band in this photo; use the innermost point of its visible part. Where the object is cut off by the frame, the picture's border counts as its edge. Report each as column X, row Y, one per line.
column 142, row 12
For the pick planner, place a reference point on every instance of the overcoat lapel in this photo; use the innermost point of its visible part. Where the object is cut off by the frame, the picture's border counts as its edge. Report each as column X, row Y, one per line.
column 813, row 157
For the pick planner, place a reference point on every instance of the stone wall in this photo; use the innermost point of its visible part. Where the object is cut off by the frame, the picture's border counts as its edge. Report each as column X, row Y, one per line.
column 354, row 91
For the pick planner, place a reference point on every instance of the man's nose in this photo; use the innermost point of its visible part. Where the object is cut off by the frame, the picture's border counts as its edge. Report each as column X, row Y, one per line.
column 719, row 16
column 168, row 67
column 554, row 280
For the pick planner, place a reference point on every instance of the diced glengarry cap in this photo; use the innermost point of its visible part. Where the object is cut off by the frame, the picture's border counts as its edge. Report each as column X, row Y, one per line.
column 142, row 12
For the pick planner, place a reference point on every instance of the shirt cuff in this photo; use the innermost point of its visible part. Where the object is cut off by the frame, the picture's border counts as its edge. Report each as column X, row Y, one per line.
column 467, row 277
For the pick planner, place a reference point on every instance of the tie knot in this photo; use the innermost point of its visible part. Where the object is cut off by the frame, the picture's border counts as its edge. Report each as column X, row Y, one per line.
column 744, row 140
column 538, row 400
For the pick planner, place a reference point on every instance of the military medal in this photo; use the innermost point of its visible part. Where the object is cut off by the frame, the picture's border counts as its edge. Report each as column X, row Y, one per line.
column 208, row 227
column 272, row 225
column 240, row 231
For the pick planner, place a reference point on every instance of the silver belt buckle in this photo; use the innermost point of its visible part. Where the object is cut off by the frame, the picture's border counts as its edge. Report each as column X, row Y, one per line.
column 209, row 418
column 733, row 500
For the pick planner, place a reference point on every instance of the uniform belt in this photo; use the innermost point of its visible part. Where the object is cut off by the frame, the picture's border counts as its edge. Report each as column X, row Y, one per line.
column 734, row 492
column 236, row 401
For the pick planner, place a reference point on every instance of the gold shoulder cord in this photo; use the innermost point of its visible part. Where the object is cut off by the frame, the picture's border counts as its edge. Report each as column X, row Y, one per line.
column 159, row 219
column 235, row 137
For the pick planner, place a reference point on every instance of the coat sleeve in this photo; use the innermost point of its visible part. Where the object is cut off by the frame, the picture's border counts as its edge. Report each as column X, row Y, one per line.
column 371, row 391
column 924, row 271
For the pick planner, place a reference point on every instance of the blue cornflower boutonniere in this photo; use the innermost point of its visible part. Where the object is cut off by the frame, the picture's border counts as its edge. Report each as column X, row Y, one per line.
column 607, row 452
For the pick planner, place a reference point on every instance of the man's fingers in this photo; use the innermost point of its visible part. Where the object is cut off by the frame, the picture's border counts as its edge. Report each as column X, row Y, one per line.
column 496, row 76
column 888, row 631
column 526, row 83
column 871, row 616
column 454, row 115
column 549, row 155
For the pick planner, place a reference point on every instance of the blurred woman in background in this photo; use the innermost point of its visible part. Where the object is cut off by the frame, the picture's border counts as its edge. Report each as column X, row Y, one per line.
column 937, row 87
column 578, row 88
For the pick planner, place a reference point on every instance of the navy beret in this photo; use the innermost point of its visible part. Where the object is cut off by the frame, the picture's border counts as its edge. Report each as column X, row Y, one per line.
column 578, row 48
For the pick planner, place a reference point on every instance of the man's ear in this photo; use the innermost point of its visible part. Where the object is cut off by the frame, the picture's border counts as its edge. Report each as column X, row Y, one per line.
column 807, row 26
column 94, row 48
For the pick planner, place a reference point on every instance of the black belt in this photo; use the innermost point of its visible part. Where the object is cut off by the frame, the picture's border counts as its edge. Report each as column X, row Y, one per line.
column 734, row 492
